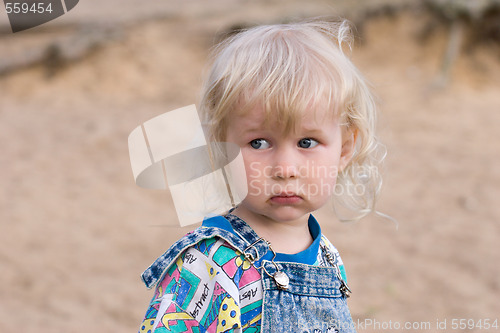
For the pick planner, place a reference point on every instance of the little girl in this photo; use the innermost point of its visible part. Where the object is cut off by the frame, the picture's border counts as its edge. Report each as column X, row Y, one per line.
column 304, row 119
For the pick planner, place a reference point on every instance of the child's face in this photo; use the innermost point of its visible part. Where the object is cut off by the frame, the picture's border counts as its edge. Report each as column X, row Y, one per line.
column 290, row 175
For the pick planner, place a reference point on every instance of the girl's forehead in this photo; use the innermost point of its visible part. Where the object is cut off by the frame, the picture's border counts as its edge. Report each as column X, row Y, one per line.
column 260, row 117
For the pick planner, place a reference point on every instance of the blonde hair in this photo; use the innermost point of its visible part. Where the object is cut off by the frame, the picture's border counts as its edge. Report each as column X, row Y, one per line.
column 289, row 68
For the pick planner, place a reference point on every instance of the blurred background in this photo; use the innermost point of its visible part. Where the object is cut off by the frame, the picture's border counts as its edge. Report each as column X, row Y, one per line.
column 76, row 232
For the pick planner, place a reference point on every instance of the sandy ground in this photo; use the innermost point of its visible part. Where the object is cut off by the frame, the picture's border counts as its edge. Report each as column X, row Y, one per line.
column 76, row 231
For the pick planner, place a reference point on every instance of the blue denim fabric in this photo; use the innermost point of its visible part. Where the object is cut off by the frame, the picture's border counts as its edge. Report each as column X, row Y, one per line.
column 312, row 302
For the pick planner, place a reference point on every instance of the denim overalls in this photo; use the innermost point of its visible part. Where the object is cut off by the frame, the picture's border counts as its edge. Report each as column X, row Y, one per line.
column 307, row 299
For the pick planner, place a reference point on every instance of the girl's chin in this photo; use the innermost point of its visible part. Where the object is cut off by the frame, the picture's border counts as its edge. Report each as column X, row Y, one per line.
column 278, row 213
column 288, row 214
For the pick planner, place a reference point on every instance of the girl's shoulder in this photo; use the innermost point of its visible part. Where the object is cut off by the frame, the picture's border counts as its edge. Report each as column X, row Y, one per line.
column 209, row 279
column 327, row 245
column 204, row 242
column 325, row 242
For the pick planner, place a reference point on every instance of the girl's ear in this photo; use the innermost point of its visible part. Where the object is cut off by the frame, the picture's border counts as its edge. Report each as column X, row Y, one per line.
column 349, row 137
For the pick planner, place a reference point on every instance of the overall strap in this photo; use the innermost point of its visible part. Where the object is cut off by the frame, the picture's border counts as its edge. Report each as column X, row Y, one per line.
column 255, row 244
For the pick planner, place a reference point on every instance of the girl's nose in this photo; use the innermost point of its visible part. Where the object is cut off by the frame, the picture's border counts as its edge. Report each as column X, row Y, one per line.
column 285, row 164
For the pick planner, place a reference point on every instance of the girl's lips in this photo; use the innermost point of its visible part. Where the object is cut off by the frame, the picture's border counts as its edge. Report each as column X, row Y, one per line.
column 286, row 199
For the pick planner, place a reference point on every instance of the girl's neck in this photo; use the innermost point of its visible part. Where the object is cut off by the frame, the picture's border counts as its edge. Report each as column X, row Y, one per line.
column 289, row 238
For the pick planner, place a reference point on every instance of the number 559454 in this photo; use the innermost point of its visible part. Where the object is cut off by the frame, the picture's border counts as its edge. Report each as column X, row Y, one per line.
column 25, row 8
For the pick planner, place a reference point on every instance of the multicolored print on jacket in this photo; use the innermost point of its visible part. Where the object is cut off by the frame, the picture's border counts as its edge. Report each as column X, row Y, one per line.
column 210, row 288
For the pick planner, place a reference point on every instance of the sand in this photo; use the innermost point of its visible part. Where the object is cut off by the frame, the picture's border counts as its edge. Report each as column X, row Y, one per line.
column 77, row 232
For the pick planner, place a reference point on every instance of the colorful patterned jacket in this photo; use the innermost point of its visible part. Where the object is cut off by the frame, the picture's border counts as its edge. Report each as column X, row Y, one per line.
column 210, row 280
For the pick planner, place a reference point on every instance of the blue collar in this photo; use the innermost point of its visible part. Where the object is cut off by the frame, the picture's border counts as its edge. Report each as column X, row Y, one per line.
column 309, row 255
column 233, row 223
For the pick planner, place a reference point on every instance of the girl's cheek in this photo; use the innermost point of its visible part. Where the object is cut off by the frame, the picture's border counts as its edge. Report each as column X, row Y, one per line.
column 255, row 169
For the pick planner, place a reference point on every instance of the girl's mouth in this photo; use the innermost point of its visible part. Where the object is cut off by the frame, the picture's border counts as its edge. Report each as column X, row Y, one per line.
column 286, row 199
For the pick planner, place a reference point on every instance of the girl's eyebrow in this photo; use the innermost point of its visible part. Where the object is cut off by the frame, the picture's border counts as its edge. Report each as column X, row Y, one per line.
column 251, row 130
column 312, row 131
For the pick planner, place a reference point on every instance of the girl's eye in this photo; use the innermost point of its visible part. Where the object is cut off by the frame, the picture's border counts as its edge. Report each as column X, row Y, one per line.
column 259, row 144
column 307, row 143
